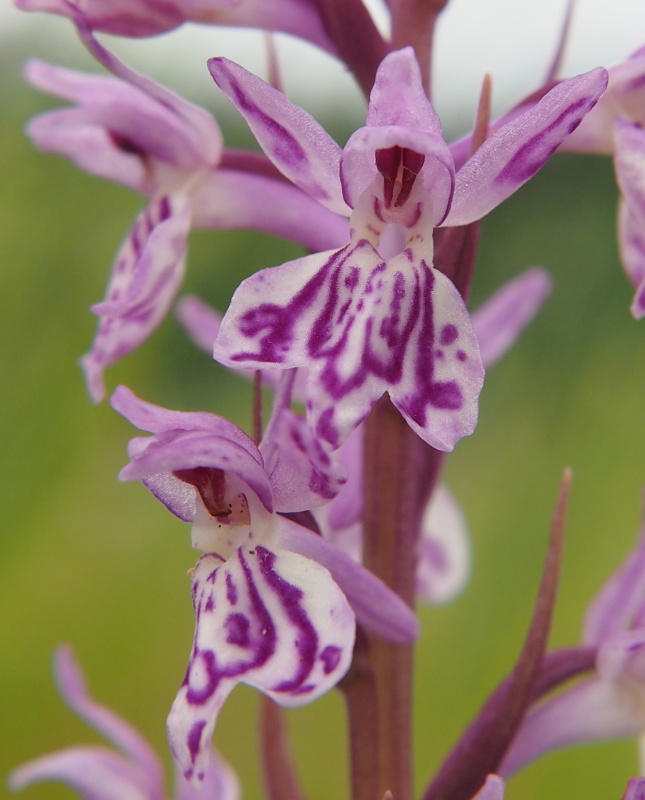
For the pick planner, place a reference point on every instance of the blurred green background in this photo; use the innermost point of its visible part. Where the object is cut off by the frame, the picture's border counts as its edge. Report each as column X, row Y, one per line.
column 102, row 565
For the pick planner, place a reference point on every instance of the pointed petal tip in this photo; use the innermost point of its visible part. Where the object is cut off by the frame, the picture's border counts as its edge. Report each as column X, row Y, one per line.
column 637, row 307
column 291, row 138
column 93, row 371
column 493, row 789
column 120, row 395
column 67, row 670
column 216, row 64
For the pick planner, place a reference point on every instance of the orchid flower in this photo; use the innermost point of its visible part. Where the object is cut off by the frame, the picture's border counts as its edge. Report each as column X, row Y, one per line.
column 268, row 613
column 131, row 130
column 611, row 704
column 374, row 316
column 616, row 127
column 138, row 18
column 444, row 549
column 99, row 773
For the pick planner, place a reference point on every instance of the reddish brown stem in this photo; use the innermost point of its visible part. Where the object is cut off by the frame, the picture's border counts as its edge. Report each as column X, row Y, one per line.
column 280, row 777
column 399, row 472
column 359, row 689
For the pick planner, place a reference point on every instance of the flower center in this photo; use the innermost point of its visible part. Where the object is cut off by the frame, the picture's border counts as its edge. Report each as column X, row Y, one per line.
column 223, row 519
column 399, row 168
column 229, row 508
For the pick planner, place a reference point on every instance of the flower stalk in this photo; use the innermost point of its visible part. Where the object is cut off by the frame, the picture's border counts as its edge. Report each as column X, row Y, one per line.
column 281, row 780
column 400, row 473
column 320, row 531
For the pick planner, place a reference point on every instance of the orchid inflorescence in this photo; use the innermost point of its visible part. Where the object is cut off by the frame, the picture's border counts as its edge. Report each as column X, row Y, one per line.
column 319, row 533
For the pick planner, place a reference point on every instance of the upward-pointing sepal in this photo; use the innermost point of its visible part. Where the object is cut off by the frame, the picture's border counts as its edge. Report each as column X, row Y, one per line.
column 298, row 145
column 518, row 149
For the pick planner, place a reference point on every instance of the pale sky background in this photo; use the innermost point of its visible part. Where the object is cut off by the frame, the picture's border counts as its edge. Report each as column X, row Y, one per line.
column 512, row 40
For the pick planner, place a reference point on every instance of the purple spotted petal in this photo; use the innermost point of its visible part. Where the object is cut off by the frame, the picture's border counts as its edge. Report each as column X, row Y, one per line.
column 515, row 152
column 630, row 171
column 145, row 278
column 377, row 608
column 272, row 313
column 303, row 474
column 621, row 601
column 442, row 372
column 277, row 622
column 202, row 323
column 503, row 316
column 364, row 326
column 299, row 147
column 220, row 783
column 444, row 550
